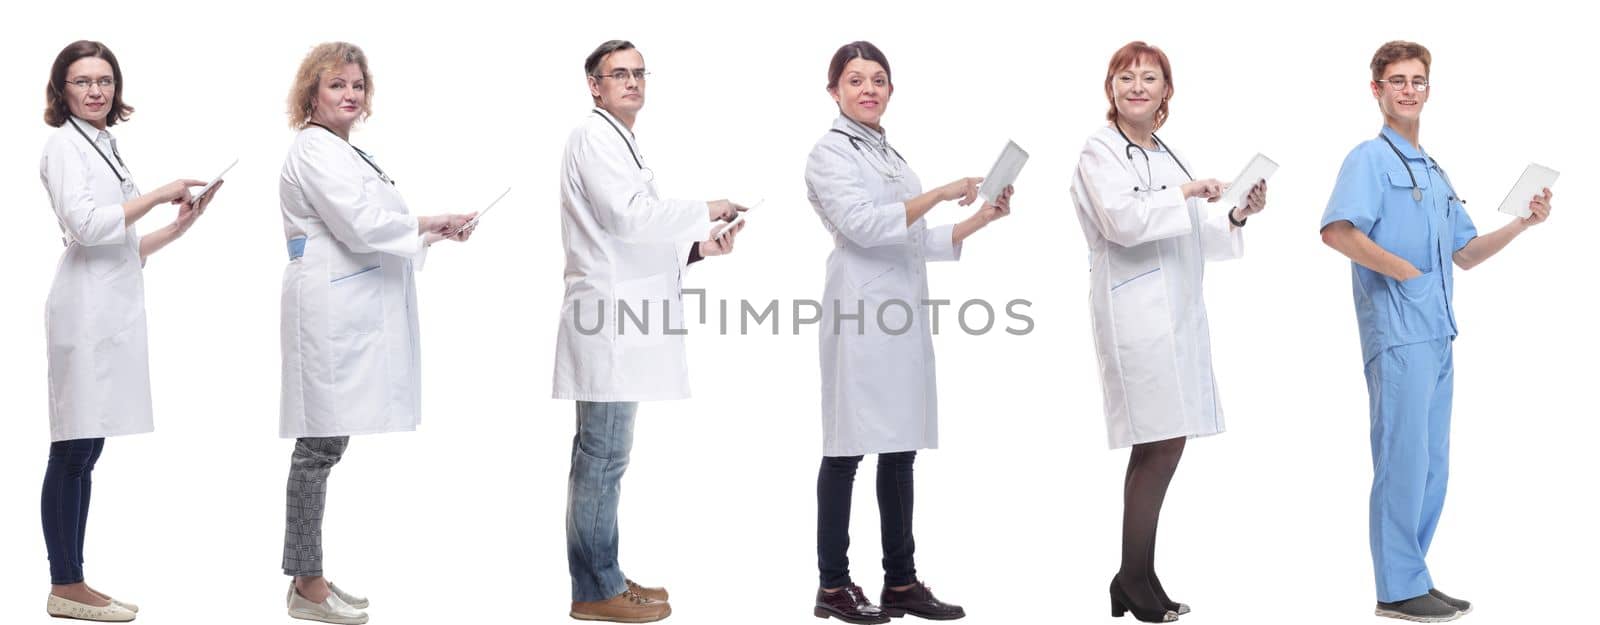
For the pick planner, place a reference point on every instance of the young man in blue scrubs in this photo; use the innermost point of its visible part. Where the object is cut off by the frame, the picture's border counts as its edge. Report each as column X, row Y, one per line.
column 1398, row 218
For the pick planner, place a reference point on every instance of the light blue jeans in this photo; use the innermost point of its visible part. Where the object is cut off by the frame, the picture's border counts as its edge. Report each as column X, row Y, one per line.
column 594, row 487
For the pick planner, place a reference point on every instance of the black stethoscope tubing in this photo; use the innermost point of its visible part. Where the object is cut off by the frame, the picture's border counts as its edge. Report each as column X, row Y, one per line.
column 385, row 177
column 1149, row 175
column 92, row 144
column 1416, row 191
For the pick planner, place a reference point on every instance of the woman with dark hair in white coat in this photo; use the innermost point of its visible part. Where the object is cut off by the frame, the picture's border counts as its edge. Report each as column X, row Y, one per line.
column 351, row 363
column 878, row 391
column 94, row 318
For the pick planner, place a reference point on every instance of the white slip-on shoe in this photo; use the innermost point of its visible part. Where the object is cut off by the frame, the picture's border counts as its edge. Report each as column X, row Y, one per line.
column 129, row 606
column 60, row 607
column 331, row 610
column 355, row 601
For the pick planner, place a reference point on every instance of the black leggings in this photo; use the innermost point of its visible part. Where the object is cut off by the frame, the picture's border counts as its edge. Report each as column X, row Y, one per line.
column 835, row 481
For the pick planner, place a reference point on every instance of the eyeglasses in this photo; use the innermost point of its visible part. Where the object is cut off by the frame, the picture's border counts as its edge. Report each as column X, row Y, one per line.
column 1398, row 83
column 623, row 74
column 104, row 83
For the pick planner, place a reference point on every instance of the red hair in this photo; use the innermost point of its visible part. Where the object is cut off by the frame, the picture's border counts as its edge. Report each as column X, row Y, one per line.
column 1132, row 54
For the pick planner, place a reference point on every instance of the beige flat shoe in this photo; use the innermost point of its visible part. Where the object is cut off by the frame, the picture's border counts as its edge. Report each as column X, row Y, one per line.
column 331, row 610
column 356, row 601
column 129, row 606
column 61, row 607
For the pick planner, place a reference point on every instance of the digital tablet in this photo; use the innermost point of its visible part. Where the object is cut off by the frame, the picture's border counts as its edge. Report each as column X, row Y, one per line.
column 1004, row 172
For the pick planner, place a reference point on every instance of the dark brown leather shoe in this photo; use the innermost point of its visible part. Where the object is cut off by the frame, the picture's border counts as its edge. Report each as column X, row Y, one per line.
column 850, row 605
column 918, row 600
column 648, row 592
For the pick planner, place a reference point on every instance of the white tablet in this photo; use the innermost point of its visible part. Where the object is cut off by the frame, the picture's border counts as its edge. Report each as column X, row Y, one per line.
column 1259, row 169
column 213, row 184
column 739, row 218
column 1004, row 172
column 1535, row 179
column 474, row 222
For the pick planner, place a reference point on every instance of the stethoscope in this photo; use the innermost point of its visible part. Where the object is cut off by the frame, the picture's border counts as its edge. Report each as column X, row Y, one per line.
column 127, row 185
column 885, row 168
column 648, row 174
column 1149, row 177
column 1416, row 191
column 364, row 156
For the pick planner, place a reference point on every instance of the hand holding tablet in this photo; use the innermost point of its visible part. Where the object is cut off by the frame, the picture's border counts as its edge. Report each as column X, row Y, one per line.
column 1259, row 169
column 473, row 223
column 1003, row 173
column 1535, row 179
column 210, row 186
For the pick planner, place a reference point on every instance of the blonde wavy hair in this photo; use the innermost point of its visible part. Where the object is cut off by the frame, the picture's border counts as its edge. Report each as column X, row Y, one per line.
column 326, row 57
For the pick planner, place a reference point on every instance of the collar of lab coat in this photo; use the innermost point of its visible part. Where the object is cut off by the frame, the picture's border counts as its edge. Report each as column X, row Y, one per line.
column 633, row 142
column 874, row 138
column 1412, row 152
column 95, row 134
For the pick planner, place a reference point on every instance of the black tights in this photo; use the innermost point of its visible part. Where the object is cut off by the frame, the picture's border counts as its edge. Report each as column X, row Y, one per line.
column 1150, row 469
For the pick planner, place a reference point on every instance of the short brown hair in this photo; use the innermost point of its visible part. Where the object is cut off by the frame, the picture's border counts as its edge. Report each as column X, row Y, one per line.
column 56, row 110
column 1396, row 51
column 1128, row 56
column 325, row 57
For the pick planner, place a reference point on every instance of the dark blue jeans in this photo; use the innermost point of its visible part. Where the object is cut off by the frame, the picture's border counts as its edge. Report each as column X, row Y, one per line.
column 64, row 505
column 835, row 481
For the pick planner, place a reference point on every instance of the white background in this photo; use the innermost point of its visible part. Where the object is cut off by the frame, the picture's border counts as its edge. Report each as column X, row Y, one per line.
column 1017, row 513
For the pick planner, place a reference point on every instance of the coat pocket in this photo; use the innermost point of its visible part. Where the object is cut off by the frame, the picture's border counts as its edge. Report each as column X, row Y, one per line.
column 355, row 301
column 647, row 310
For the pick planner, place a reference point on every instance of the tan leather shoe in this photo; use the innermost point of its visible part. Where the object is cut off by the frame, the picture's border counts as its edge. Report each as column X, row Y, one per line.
column 648, row 592
column 627, row 607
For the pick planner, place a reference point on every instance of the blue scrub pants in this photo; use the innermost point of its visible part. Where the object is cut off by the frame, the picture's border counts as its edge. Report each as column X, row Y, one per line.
column 1408, row 387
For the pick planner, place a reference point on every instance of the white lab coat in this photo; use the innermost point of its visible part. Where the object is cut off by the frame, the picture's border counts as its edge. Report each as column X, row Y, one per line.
column 623, row 244
column 878, row 389
column 348, row 331
column 94, row 317
column 1147, row 254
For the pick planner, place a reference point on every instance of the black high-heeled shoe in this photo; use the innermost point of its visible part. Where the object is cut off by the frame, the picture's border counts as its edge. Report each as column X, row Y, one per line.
column 1180, row 608
column 1121, row 604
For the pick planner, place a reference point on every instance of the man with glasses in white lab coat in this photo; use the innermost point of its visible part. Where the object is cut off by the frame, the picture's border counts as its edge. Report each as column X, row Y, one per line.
column 620, row 340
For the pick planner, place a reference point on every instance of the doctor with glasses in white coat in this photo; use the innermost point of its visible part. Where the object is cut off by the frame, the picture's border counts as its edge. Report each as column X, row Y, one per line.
column 620, row 337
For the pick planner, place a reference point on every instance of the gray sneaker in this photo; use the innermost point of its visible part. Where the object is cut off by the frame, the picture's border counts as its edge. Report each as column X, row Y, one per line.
column 1460, row 604
column 1419, row 609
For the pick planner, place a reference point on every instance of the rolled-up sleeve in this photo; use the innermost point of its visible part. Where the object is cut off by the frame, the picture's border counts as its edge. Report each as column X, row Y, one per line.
column 840, row 194
column 938, row 243
column 65, row 173
column 1219, row 240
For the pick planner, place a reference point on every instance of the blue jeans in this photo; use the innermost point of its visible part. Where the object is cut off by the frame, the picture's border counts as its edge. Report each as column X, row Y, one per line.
column 64, row 505
column 594, row 486
column 1409, row 389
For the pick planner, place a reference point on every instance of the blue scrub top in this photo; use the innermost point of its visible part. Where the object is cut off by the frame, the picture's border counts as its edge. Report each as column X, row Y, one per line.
column 1374, row 193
